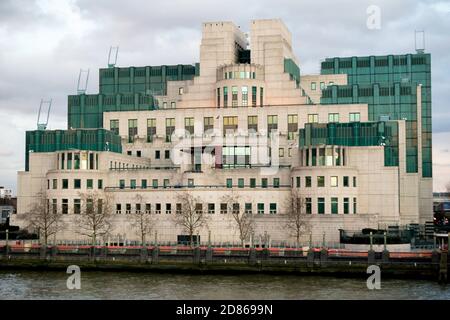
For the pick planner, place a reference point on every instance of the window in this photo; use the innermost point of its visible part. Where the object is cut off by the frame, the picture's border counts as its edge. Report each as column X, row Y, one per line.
column 308, row 182
column 178, row 208
column 322, row 85
column 76, row 160
column 254, row 93
column 260, row 208
column 272, row 124
column 313, row 86
column 55, row 183
column 240, row 183
column 345, row 183
column 223, row 208
column 122, row 184
column 129, row 153
column 308, row 205
column 168, row 208
column 234, row 96
column 128, row 208
column 157, row 154
column 137, row 208
column 180, row 90
column 158, row 208
column 89, row 183
column 211, row 208
column 292, row 126
column 252, row 124
column 132, row 129
column 261, row 96
column 170, row 128
column 320, row 205
column 298, row 181
column 173, row 105
column 264, row 182
column 144, row 184
column 151, row 129
column 354, row 182
column 190, row 183
column 334, row 205
column 273, row 208
column 218, row 97
column 114, row 126
column 65, row 183
column 354, row 205
column 133, row 183
column 69, row 161
column 54, row 206
column 313, row 118
column 138, row 153
column 208, row 124
column 320, row 181
column 244, row 92
column 281, row 152
column 289, row 152
column 225, row 97
column 65, row 206
column 230, row 124
column 229, row 183
column 199, row 208
column 189, row 125
column 76, row 206
column 334, row 181
column 333, row 117
column 164, row 105
column 166, row 154
column 354, row 117
column 166, row 183
column 148, row 208
column 236, row 208
column 248, row 208
column 252, row 183
column 276, row 182
column 77, row 183
column 346, row 206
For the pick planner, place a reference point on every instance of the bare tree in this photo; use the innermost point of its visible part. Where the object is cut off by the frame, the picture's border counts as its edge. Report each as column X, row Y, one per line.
column 142, row 221
column 243, row 222
column 192, row 215
column 297, row 219
column 95, row 217
column 43, row 218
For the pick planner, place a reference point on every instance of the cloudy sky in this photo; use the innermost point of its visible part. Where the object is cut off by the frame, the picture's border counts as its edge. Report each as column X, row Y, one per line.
column 44, row 44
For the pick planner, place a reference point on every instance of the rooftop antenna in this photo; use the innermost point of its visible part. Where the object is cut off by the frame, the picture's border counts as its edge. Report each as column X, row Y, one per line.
column 419, row 41
column 83, row 78
column 43, row 125
column 112, row 56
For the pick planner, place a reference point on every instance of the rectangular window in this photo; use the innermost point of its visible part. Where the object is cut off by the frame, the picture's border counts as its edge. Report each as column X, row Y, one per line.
column 230, row 125
column 298, row 181
column 261, row 96
column 166, row 154
column 333, row 117
column 190, row 183
column 114, row 126
column 276, row 182
column 55, row 183
column 252, row 124
column 313, row 118
column 69, row 161
column 122, row 184
column 137, row 208
column 254, row 93
column 157, row 154
column 65, row 183
column 166, row 183
column 178, row 208
column 158, row 208
column 62, row 160
column 211, row 208
column 133, row 183
column 346, row 206
column 148, row 208
column 308, row 205
column 76, row 206
column 208, row 124
column 345, row 182
column 229, row 183
column 173, row 105
column 65, row 206
column 322, row 85
column 225, row 97
column 244, row 92
column 223, row 208
column 334, row 205
column 77, row 183
column 89, row 184
column 273, row 208
column 132, row 129
column 354, row 205
column 199, row 208
column 218, row 97
column 240, row 183
column 189, row 125
column 248, row 208
column 151, row 129
column 144, row 184
column 234, row 96
column 354, row 182
column 313, row 86
column 308, row 182
column 264, row 182
column 320, row 181
column 292, row 126
column 320, row 205
column 252, row 183
column 76, row 160
column 54, row 206
column 354, row 116
column 170, row 128
column 334, row 181
column 168, row 208
column 155, row 183
column 272, row 124
column 260, row 208
column 281, row 152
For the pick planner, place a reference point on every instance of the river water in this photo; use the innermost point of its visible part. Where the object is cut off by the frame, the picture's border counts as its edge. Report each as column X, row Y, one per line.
column 126, row 285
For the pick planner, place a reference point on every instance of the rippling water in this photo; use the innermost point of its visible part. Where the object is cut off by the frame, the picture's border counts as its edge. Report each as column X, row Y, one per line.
column 126, row 285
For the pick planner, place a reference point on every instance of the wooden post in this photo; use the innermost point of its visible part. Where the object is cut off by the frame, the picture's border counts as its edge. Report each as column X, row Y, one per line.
column 385, row 241
column 7, row 242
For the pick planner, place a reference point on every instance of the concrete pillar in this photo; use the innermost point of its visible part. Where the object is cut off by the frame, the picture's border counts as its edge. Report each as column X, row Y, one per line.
column 310, row 258
column 209, row 254
column 443, row 267
column 7, row 243
column 196, row 255
column 155, row 255
column 371, row 256
column 323, row 257
column 144, row 255
column 252, row 256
